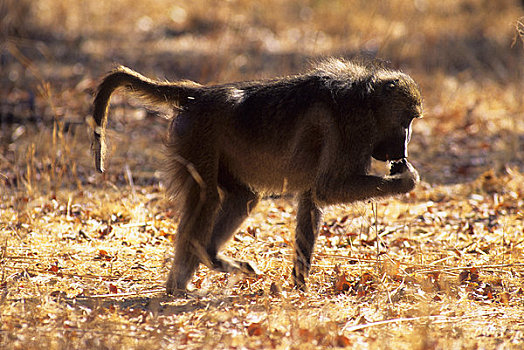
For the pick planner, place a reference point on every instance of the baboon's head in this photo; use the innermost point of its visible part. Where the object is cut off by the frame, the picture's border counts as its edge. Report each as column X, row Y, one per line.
column 397, row 102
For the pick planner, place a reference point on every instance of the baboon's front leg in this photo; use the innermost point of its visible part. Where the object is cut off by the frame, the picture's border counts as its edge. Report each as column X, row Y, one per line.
column 238, row 203
column 332, row 190
column 309, row 217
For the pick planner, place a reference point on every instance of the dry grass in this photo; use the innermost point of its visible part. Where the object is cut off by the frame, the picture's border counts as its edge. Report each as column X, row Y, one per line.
column 83, row 257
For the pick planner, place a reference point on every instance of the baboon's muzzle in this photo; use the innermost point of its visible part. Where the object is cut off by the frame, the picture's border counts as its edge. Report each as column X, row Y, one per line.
column 391, row 149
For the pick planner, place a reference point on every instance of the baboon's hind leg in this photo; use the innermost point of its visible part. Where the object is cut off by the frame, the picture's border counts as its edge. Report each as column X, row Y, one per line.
column 192, row 237
column 237, row 204
column 309, row 217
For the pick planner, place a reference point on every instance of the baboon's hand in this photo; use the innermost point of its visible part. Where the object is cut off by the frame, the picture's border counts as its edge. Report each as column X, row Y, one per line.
column 397, row 167
column 406, row 173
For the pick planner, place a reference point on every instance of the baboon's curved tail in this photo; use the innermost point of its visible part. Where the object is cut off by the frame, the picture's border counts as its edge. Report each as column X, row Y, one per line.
column 155, row 92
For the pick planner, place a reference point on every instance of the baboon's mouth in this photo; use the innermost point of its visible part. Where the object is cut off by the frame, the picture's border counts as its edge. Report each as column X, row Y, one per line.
column 394, row 159
column 390, row 150
column 388, row 158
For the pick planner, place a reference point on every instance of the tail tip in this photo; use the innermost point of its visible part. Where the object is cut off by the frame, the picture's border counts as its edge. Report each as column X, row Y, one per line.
column 98, row 151
column 99, row 165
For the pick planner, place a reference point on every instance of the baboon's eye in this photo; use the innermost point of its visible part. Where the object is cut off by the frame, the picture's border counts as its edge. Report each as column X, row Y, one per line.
column 392, row 84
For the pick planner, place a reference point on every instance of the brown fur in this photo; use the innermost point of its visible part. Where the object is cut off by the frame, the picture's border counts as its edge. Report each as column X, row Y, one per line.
column 312, row 135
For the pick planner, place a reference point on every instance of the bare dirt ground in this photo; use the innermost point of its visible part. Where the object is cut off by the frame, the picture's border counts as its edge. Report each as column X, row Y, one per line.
column 84, row 257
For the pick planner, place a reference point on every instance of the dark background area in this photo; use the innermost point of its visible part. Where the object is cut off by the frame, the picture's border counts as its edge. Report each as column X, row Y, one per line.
column 466, row 55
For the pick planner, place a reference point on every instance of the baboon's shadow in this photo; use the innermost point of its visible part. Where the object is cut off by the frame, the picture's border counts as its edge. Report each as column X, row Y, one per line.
column 161, row 305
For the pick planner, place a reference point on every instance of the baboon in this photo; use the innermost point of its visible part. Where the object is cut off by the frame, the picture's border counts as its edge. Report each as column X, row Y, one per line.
column 312, row 135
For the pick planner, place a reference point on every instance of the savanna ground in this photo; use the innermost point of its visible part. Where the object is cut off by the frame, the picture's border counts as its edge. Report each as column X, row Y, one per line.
column 84, row 257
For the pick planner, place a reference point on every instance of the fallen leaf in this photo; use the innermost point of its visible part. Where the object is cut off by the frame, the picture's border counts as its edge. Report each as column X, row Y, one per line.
column 464, row 274
column 274, row 289
column 305, row 335
column 474, row 275
column 255, row 329
column 341, row 283
column 342, row 341
column 102, row 233
column 504, row 298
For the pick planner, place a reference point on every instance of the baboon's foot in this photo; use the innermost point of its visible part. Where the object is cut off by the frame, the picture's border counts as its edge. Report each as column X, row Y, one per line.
column 174, row 288
column 223, row 264
column 299, row 277
column 177, row 282
column 177, row 293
